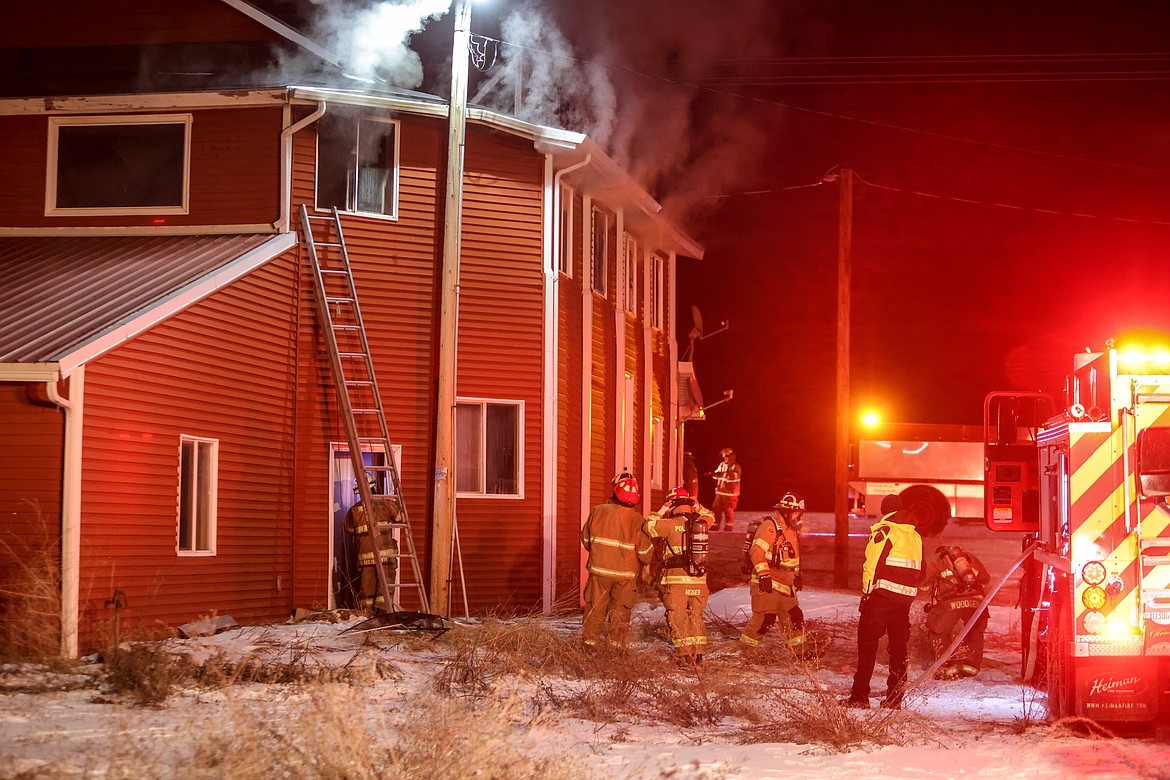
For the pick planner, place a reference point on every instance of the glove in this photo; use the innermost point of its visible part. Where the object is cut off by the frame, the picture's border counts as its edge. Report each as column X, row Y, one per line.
column 798, row 583
column 765, row 584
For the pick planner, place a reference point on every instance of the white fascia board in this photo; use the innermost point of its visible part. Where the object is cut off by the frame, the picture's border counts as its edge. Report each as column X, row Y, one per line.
column 122, row 104
column 29, row 372
column 402, row 103
column 137, row 230
column 283, row 30
column 175, row 303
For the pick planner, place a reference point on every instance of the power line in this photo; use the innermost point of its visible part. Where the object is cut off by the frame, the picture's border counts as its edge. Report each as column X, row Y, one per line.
column 833, row 115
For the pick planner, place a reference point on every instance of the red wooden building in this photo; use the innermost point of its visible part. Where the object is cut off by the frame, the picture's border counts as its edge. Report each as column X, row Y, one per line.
column 170, row 432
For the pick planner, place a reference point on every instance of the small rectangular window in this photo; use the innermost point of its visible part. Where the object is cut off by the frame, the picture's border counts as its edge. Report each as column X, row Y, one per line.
column 357, row 165
column 630, row 294
column 565, row 247
column 657, row 319
column 198, row 490
column 600, row 253
column 118, row 165
column 488, row 448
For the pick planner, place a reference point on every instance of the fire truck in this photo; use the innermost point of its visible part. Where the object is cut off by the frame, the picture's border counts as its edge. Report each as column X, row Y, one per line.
column 937, row 470
column 1089, row 485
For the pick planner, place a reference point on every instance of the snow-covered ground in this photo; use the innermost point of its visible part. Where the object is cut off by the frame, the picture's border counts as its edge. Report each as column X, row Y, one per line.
column 61, row 724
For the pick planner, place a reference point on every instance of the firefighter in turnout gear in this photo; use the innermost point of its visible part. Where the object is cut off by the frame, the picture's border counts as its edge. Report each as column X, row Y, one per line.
column 618, row 547
column 775, row 575
column 357, row 523
column 889, row 582
column 681, row 524
column 727, row 476
column 955, row 582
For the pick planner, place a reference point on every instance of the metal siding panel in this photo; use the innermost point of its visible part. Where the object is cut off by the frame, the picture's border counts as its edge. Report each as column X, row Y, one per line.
column 222, row 369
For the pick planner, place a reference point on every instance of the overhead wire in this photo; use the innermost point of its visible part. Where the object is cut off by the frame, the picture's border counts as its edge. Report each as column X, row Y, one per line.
column 834, row 115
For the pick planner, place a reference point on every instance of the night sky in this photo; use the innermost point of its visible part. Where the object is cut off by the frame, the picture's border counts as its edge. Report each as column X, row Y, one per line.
column 1011, row 204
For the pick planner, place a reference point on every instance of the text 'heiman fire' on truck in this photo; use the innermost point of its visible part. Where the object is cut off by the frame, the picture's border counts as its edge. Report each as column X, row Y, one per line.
column 1089, row 486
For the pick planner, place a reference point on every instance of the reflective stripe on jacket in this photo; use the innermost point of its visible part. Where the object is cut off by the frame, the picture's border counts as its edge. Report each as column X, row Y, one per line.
column 670, row 525
column 727, row 479
column 616, row 541
column 770, row 538
column 893, row 558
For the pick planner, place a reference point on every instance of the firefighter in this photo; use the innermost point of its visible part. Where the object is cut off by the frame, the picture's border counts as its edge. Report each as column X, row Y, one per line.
column 775, row 560
column 385, row 513
column 681, row 524
column 889, row 582
column 618, row 547
column 955, row 583
column 690, row 474
column 727, row 476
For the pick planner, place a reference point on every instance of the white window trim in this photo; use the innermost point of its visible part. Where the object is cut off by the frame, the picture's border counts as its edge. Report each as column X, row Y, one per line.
column 630, row 276
column 212, row 498
column 57, row 122
column 483, row 402
column 593, row 254
column 395, row 174
column 657, row 281
column 565, row 249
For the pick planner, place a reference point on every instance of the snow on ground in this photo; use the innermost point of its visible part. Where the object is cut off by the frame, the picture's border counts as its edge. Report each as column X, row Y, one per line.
column 60, row 725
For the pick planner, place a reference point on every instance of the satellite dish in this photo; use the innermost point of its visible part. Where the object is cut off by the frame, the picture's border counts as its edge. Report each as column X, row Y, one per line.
column 697, row 316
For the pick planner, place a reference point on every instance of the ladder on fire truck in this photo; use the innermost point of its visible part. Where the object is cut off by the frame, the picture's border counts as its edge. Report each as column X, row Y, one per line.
column 358, row 396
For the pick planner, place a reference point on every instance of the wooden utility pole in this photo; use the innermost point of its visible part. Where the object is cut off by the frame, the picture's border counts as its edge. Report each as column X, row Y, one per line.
column 841, row 502
column 443, row 510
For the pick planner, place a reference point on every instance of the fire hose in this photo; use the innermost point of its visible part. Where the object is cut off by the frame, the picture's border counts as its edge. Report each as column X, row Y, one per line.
column 971, row 621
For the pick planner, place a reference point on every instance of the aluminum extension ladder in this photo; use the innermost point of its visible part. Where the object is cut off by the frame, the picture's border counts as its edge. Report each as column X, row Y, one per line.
column 357, row 392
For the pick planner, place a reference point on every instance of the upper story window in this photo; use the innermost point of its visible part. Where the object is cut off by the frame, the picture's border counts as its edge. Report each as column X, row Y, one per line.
column 198, row 492
column 357, row 165
column 600, row 251
column 565, row 247
column 489, row 454
column 657, row 311
column 630, row 274
column 109, row 165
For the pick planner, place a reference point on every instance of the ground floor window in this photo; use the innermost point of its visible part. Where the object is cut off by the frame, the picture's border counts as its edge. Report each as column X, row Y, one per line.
column 488, row 451
column 198, row 483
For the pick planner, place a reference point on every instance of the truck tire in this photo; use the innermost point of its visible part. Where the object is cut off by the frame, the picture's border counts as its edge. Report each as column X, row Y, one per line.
column 1060, row 682
column 930, row 508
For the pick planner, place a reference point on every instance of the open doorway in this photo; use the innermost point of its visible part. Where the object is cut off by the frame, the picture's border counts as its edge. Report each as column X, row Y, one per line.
column 343, row 546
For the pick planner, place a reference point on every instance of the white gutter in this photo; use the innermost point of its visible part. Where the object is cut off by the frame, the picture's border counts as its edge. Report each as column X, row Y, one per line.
column 551, row 407
column 286, row 156
column 70, row 506
column 29, row 372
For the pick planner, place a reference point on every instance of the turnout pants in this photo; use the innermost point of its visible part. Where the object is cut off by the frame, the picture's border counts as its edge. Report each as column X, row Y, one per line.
column 608, row 599
column 684, row 615
column 944, row 620
column 767, row 608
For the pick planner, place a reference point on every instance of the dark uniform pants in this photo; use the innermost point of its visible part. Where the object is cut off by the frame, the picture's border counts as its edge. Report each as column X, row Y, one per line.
column 942, row 623
column 612, row 598
column 724, row 511
column 880, row 617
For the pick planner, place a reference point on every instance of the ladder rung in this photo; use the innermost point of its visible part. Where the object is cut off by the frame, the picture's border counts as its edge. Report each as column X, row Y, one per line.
column 359, row 382
column 346, row 327
column 326, row 243
column 333, row 271
column 339, row 300
column 351, row 354
column 1155, row 560
column 365, row 411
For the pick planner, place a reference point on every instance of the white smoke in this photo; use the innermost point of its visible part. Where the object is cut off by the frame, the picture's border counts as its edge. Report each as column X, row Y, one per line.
column 373, row 42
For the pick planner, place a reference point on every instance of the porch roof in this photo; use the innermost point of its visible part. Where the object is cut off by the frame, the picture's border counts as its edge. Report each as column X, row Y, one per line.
column 68, row 300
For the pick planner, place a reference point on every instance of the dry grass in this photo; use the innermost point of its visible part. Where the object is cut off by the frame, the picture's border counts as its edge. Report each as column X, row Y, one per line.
column 30, row 595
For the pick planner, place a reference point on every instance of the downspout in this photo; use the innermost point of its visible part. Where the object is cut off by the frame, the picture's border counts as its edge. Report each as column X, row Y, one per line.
column 626, row 427
column 70, row 506
column 675, row 447
column 586, row 365
column 286, row 165
column 647, row 378
column 551, row 409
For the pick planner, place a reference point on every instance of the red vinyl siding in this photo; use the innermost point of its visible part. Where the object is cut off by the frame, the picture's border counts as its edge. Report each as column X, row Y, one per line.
column 500, row 356
column 235, row 172
column 570, row 513
column 221, row 370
